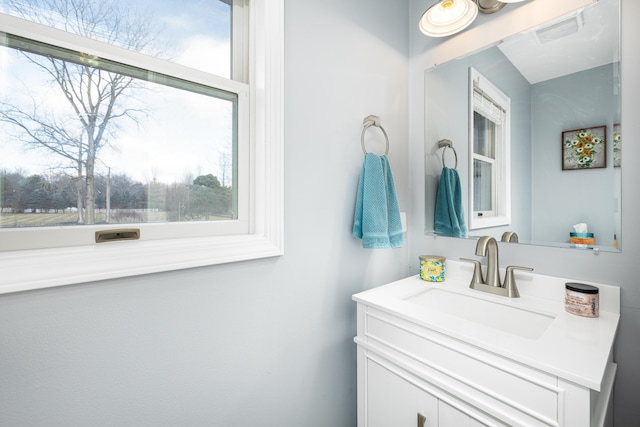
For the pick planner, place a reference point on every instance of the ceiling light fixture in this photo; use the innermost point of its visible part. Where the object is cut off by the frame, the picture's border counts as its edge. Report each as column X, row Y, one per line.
column 448, row 17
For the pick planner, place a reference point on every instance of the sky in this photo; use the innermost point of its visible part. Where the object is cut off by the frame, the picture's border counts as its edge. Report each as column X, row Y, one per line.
column 184, row 133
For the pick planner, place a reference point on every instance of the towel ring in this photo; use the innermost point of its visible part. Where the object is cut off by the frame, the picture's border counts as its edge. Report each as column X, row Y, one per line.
column 373, row 121
column 446, row 143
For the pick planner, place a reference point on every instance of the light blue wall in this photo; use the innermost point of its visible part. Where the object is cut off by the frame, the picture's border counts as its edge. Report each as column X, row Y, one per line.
column 269, row 342
column 564, row 198
column 263, row 343
column 613, row 268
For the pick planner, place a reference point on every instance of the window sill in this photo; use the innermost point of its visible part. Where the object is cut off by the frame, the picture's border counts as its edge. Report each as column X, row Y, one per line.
column 45, row 268
column 495, row 221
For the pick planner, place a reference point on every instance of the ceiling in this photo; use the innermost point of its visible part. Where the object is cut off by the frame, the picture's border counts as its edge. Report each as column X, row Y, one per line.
column 585, row 39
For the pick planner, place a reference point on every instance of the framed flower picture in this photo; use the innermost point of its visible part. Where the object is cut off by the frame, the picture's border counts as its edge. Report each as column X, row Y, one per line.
column 584, row 148
column 617, row 150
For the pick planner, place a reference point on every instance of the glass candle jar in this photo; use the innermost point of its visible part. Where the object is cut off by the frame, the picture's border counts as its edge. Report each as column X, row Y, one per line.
column 432, row 268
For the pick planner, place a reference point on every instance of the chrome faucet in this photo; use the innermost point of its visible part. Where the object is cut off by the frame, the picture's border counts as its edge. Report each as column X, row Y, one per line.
column 487, row 246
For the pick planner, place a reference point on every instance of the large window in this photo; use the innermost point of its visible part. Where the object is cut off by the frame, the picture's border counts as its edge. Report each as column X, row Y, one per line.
column 88, row 140
column 489, row 145
column 140, row 115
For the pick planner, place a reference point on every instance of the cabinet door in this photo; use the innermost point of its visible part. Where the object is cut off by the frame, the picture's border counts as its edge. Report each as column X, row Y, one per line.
column 394, row 402
column 451, row 417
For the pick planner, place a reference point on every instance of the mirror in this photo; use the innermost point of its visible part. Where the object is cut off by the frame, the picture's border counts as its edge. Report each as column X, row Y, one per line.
column 563, row 81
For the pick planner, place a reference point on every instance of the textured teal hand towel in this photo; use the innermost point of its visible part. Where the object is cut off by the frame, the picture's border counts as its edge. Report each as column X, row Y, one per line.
column 449, row 217
column 377, row 217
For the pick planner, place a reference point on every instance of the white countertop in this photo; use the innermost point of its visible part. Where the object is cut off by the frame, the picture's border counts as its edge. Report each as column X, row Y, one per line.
column 575, row 348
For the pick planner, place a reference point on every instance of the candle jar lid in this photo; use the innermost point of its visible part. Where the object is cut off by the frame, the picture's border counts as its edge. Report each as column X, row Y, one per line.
column 432, row 258
column 581, row 287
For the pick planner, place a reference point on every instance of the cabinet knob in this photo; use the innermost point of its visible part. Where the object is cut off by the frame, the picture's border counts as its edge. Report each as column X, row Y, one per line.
column 422, row 420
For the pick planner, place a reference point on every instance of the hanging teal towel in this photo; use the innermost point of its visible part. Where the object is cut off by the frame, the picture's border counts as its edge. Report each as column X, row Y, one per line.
column 377, row 218
column 449, row 218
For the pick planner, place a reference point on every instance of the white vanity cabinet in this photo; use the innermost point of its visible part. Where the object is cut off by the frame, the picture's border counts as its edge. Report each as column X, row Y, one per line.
column 422, row 366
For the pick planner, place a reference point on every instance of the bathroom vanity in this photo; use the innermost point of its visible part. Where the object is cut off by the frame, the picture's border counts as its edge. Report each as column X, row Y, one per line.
column 441, row 354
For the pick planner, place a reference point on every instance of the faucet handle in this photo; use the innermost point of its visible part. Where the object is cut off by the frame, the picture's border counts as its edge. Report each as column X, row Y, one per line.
column 477, row 271
column 509, row 237
column 510, row 280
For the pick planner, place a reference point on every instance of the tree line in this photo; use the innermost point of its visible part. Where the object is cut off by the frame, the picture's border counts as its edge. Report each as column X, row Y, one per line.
column 120, row 197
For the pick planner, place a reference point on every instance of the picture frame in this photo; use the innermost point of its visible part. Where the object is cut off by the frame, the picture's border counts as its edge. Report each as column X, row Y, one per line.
column 584, row 148
column 617, row 146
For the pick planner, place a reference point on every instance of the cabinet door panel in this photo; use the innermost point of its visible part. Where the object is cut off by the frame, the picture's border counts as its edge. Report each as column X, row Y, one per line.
column 394, row 402
column 451, row 417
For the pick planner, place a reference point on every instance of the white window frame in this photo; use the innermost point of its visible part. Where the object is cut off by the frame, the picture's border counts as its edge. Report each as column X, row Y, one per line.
column 492, row 103
column 29, row 269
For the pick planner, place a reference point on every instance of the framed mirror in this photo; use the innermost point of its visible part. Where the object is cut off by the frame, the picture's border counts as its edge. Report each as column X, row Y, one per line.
column 563, row 82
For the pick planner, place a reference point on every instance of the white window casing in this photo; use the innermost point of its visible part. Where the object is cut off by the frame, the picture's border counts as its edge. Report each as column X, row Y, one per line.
column 258, row 233
column 490, row 102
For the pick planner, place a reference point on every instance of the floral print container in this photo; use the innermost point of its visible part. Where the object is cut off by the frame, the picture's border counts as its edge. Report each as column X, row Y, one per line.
column 432, row 268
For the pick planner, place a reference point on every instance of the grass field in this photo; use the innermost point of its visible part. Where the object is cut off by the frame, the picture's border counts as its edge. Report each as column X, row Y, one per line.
column 19, row 220
column 57, row 219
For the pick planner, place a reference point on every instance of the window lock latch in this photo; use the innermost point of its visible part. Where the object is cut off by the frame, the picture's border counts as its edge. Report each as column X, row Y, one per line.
column 116, row 235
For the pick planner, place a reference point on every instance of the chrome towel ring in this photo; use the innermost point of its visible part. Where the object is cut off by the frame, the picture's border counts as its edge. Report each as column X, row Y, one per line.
column 373, row 121
column 446, row 143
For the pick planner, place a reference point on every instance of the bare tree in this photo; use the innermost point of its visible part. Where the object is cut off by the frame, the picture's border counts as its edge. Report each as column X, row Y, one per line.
column 97, row 96
column 225, row 162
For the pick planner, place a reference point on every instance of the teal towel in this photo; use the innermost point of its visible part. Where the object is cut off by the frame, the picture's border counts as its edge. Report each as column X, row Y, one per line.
column 377, row 218
column 449, row 218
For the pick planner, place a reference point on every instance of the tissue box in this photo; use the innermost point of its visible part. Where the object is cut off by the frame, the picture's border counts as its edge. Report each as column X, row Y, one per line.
column 582, row 239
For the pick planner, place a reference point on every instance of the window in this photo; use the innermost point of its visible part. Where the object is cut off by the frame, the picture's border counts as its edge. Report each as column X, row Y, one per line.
column 106, row 134
column 489, row 141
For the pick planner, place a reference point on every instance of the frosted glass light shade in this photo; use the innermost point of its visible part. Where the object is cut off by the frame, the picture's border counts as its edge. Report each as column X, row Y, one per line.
column 448, row 17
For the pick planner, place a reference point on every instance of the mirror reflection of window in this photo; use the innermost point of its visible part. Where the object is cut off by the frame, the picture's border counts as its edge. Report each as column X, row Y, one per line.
column 484, row 135
column 483, row 183
column 484, row 161
column 490, row 196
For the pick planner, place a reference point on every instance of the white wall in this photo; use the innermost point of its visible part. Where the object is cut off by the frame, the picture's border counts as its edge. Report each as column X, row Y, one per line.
column 268, row 342
column 613, row 268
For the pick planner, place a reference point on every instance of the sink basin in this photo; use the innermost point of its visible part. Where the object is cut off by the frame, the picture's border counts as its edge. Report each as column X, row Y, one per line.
column 519, row 321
